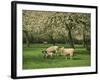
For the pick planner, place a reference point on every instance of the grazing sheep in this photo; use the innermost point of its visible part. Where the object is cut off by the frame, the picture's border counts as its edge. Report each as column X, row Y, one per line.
column 50, row 51
column 67, row 51
column 52, row 48
column 47, row 54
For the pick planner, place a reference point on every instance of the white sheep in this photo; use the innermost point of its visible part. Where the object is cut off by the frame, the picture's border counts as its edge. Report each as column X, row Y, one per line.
column 45, row 54
column 67, row 51
column 50, row 51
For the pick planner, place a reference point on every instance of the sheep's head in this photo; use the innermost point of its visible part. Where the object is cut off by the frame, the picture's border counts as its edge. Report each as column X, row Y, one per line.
column 61, row 48
column 44, row 52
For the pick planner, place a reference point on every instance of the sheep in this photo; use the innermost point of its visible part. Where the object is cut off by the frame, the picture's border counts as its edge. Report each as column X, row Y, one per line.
column 47, row 54
column 67, row 51
column 52, row 48
column 50, row 51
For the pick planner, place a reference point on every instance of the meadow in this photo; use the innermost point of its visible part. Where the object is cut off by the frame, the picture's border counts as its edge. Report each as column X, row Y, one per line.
column 33, row 58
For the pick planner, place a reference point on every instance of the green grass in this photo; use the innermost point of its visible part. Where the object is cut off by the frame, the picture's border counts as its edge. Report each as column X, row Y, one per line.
column 33, row 58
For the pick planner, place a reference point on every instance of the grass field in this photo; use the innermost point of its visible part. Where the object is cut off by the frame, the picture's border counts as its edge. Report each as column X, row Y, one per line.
column 33, row 58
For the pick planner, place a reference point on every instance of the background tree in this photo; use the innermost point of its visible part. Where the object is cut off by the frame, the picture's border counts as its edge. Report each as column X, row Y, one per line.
column 56, row 27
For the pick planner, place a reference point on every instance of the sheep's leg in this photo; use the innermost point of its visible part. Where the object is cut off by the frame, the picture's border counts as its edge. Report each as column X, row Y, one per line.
column 71, row 56
column 61, row 53
column 46, row 56
column 51, row 55
column 56, row 53
column 66, row 57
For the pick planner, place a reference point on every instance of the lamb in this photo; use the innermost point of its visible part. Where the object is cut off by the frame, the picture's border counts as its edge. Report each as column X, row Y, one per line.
column 67, row 51
column 50, row 51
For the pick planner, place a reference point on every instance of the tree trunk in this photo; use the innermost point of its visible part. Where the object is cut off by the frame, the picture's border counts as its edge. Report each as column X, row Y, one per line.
column 51, row 38
column 84, row 41
column 70, row 35
column 70, row 39
column 27, row 39
column 27, row 42
column 53, row 41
